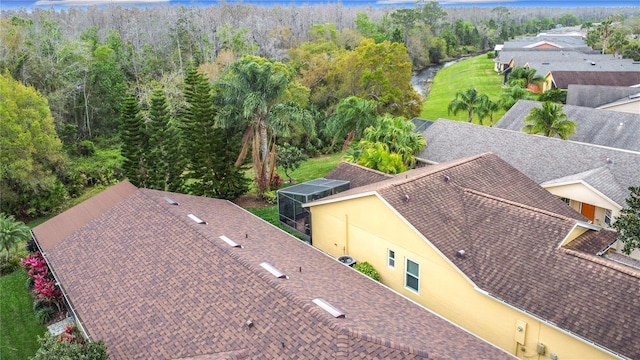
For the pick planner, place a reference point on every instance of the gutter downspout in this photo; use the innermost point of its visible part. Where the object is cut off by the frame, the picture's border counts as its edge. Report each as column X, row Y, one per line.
column 64, row 294
column 554, row 326
column 346, row 237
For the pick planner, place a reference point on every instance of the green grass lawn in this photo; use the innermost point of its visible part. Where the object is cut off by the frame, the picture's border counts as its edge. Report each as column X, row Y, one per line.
column 476, row 72
column 313, row 168
column 19, row 329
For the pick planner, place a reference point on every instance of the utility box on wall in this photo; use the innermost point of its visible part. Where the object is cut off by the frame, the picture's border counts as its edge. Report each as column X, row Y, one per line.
column 521, row 332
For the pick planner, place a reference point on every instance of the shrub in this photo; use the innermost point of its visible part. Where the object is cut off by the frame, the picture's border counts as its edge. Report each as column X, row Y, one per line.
column 45, row 314
column 7, row 267
column 491, row 55
column 70, row 346
column 86, row 148
column 367, row 269
column 270, row 196
column 40, row 304
column 32, row 247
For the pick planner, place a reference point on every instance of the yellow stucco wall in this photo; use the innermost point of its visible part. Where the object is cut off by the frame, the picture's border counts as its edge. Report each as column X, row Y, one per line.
column 365, row 228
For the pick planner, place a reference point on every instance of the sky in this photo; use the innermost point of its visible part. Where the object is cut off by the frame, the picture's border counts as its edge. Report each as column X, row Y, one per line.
column 11, row 4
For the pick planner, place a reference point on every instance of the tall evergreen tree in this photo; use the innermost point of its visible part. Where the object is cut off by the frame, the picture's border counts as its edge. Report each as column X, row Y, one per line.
column 165, row 161
column 210, row 151
column 134, row 142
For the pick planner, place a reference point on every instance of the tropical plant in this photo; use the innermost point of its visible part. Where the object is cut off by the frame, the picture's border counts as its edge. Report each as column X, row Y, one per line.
column 524, row 77
column 251, row 99
column 135, row 141
column 627, row 224
column 467, row 101
column 376, row 155
column 558, row 96
column 398, row 135
column 12, row 233
column 549, row 120
column 352, row 116
column 487, row 108
column 511, row 95
column 367, row 269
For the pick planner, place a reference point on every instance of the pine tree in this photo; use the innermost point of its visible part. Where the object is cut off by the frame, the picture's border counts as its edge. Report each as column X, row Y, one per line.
column 165, row 161
column 134, row 142
column 211, row 151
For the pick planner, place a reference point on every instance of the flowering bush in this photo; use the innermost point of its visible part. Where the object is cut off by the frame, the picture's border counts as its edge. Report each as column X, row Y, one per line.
column 44, row 285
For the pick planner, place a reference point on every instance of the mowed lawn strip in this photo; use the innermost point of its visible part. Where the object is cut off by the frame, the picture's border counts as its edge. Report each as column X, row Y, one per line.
column 19, row 328
column 475, row 72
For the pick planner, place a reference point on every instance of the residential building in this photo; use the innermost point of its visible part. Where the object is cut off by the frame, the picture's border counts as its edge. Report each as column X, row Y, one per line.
column 604, row 127
column 558, row 79
column 158, row 275
column 484, row 246
column 594, row 96
column 592, row 179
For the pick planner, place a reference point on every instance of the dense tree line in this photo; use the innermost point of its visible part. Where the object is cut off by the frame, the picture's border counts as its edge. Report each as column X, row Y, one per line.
column 187, row 124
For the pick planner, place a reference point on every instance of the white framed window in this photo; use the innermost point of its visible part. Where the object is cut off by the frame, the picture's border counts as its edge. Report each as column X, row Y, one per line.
column 412, row 275
column 607, row 216
column 392, row 258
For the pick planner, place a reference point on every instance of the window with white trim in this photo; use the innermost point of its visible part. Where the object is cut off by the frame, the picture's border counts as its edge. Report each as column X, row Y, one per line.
column 392, row 258
column 412, row 275
column 607, row 216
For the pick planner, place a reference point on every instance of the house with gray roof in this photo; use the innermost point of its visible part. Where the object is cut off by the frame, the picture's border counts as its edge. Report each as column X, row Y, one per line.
column 613, row 129
column 481, row 244
column 160, row 275
column 594, row 96
column 592, row 179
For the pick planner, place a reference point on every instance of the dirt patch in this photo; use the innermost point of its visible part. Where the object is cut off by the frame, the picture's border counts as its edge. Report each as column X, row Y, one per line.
column 250, row 201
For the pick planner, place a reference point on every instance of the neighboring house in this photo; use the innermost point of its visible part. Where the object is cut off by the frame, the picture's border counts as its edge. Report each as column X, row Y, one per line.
column 592, row 179
column 604, row 127
column 562, row 79
column 629, row 104
column 357, row 175
column 158, row 275
column 594, row 96
column 482, row 245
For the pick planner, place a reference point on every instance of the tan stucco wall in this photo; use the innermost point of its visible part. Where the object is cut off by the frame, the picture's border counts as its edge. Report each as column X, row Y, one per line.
column 366, row 228
column 580, row 193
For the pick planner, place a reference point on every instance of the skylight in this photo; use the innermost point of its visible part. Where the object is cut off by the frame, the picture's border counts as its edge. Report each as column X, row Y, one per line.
column 275, row 272
column 196, row 219
column 230, row 242
column 328, row 308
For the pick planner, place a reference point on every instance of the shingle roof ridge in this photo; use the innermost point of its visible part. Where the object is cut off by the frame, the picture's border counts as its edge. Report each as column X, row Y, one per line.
column 418, row 174
column 627, row 270
column 383, row 342
column 517, row 204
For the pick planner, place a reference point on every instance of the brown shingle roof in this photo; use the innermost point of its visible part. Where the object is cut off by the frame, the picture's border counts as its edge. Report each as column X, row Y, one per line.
column 155, row 284
column 357, row 175
column 511, row 229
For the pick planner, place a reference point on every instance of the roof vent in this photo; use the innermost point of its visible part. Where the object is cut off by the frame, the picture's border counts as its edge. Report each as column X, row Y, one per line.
column 447, row 178
column 197, row 219
column 328, row 308
column 171, row 201
column 230, row 242
column 275, row 272
column 461, row 254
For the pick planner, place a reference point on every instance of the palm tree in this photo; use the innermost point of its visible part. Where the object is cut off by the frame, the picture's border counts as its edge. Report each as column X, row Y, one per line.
column 353, row 115
column 487, row 108
column 523, row 77
column 549, row 121
column 511, row 95
column 11, row 232
column 465, row 101
column 251, row 96
column 397, row 133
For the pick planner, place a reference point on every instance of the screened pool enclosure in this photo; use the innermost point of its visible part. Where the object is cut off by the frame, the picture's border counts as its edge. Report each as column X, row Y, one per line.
column 290, row 200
